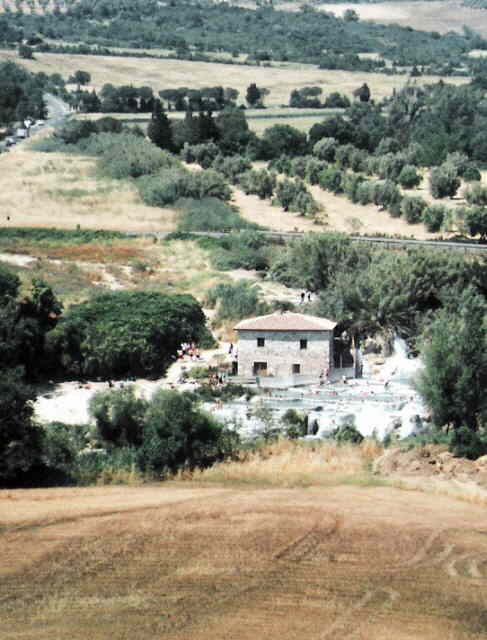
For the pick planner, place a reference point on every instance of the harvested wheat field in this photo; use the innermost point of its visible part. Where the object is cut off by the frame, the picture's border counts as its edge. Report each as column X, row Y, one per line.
column 59, row 190
column 164, row 74
column 185, row 560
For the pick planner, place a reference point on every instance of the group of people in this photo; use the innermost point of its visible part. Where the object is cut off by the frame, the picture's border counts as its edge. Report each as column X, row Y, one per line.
column 189, row 349
column 305, row 297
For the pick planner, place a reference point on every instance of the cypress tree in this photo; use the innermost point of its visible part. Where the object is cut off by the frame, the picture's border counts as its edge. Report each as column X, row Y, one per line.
column 159, row 129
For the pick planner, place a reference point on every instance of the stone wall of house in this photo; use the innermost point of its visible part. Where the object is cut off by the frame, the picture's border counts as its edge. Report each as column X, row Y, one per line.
column 282, row 350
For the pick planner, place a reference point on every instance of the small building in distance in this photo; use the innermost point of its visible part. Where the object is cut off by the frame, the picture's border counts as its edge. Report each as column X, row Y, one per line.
column 285, row 344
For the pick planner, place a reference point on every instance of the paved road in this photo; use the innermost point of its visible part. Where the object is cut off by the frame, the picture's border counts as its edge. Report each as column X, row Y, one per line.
column 57, row 110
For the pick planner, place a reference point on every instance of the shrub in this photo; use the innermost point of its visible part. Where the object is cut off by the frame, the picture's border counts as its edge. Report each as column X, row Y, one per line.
column 331, row 180
column 259, row 182
column 358, row 160
column 472, row 174
column 292, row 195
column 74, row 130
column 433, row 216
column 476, row 194
column 391, row 165
column 313, row 169
column 164, row 188
column 244, row 250
column 203, row 154
column 412, row 208
column 343, row 155
column 325, row 149
column 347, row 431
column 372, row 166
column 386, row 193
column 298, row 166
column 231, row 167
column 444, row 181
column 131, row 157
column 409, row 177
column 458, row 160
column 351, row 186
column 387, row 145
column 169, row 433
column 119, row 416
column 169, row 186
column 282, row 164
column 236, row 300
column 475, row 221
column 294, row 424
column 210, row 214
column 336, row 101
column 414, row 154
column 466, row 443
column 364, row 192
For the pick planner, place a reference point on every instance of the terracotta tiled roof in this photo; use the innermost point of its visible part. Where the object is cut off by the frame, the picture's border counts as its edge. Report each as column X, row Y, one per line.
column 286, row 321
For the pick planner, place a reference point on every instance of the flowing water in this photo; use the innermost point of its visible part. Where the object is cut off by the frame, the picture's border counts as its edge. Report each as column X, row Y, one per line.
column 383, row 401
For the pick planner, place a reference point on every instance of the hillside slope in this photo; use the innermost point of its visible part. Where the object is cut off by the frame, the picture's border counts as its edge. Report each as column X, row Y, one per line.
column 181, row 562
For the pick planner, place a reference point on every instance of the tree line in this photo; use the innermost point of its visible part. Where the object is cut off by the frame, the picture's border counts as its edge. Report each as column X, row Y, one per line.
column 264, row 34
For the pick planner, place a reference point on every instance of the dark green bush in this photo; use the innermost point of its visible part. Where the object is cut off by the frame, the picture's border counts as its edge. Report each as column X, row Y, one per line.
column 210, row 214
column 476, row 194
column 412, row 208
column 231, row 166
column 331, row 180
column 466, row 443
column 128, row 156
column 237, row 300
column 119, row 334
column 259, row 182
column 433, row 216
column 325, row 149
column 409, row 177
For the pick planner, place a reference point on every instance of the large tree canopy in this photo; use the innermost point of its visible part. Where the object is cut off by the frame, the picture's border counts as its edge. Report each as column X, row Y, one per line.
column 127, row 333
column 454, row 352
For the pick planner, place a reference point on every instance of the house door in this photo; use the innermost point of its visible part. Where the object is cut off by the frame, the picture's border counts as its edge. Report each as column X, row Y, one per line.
column 260, row 368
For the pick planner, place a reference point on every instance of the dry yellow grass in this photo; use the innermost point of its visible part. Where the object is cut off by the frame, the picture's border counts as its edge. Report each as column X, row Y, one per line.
column 58, row 190
column 287, row 464
column 290, row 117
column 443, row 16
column 184, row 561
column 162, row 74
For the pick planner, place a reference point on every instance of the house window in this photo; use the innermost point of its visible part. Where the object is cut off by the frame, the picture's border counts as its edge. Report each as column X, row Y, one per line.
column 261, row 342
column 303, row 344
column 260, row 368
column 296, row 369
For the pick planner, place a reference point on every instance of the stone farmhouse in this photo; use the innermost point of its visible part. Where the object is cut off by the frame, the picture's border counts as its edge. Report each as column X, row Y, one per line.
column 285, row 344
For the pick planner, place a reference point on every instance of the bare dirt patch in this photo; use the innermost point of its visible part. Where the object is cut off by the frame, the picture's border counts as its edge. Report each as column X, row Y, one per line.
column 182, row 562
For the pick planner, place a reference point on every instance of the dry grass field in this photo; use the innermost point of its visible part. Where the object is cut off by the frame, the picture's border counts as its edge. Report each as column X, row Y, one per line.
column 258, row 123
column 58, row 190
column 441, row 16
column 163, row 74
column 214, row 561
